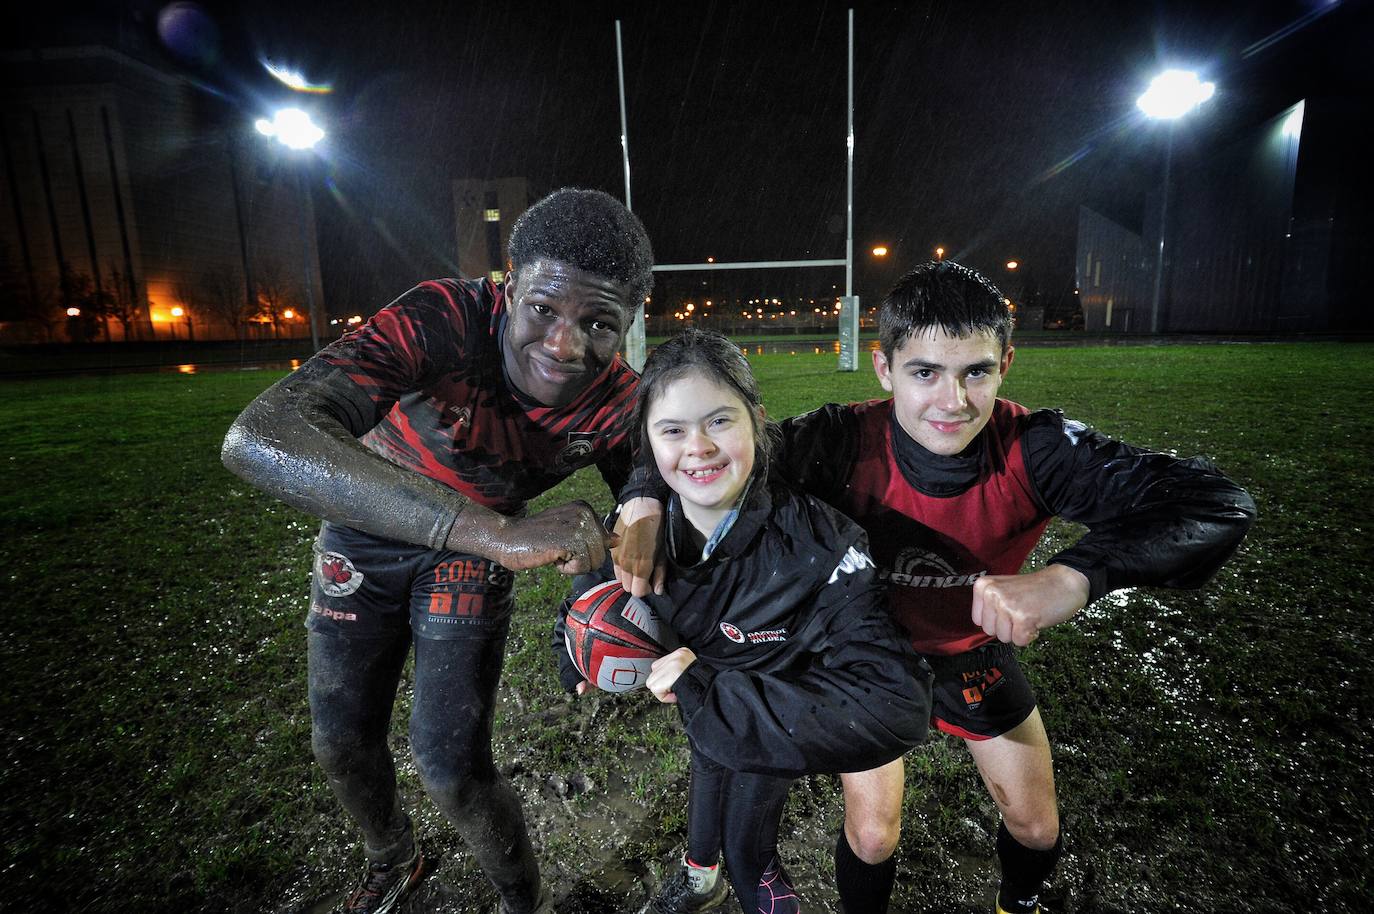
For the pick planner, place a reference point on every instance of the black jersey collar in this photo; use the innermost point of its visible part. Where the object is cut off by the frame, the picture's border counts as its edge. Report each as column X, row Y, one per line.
column 936, row 475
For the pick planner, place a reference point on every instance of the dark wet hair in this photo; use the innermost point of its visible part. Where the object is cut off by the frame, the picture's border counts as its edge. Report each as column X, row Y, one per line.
column 711, row 355
column 590, row 230
column 942, row 294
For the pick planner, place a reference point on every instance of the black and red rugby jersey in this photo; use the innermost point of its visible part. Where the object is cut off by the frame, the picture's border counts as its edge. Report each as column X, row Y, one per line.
column 937, row 523
column 431, row 362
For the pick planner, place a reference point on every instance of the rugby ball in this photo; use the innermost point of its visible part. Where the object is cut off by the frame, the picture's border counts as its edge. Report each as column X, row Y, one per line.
column 613, row 638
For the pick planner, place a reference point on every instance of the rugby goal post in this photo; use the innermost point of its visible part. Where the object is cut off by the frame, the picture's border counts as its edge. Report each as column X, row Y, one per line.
column 635, row 347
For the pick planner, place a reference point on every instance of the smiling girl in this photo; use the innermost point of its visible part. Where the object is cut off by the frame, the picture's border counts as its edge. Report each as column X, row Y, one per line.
column 790, row 665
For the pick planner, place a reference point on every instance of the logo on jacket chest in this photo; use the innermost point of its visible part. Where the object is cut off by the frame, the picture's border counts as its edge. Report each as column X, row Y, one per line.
column 759, row 637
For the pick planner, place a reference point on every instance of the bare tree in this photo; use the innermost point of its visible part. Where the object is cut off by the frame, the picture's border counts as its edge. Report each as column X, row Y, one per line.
column 23, row 300
column 276, row 293
column 80, row 291
column 219, row 290
column 121, row 303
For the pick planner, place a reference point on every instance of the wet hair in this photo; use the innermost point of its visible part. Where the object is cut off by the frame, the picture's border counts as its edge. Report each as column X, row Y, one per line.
column 707, row 353
column 590, row 230
column 942, row 294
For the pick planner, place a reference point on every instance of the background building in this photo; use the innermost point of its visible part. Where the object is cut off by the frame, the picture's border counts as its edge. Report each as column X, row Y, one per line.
column 484, row 212
column 1261, row 199
column 128, row 198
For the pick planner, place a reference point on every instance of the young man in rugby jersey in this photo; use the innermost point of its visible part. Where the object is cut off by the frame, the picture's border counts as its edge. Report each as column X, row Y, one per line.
column 419, row 439
column 954, row 488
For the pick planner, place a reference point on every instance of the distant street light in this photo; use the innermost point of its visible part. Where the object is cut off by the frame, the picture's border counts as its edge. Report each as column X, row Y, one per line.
column 178, row 311
column 1013, row 264
column 1171, row 95
column 73, row 312
column 880, row 251
column 295, row 129
column 939, row 253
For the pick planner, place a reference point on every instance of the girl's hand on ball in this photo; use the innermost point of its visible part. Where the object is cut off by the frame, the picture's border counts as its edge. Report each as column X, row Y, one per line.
column 666, row 670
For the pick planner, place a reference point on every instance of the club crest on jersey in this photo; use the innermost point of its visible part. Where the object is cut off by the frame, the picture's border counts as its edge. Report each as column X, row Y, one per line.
column 916, row 567
column 577, row 452
column 336, row 574
column 464, row 414
column 732, row 633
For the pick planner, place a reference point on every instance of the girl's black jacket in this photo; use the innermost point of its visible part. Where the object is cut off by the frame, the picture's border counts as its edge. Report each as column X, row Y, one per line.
column 799, row 669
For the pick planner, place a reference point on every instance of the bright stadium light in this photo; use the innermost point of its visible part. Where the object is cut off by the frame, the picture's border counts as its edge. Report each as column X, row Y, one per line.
column 1173, row 94
column 291, row 127
column 294, row 129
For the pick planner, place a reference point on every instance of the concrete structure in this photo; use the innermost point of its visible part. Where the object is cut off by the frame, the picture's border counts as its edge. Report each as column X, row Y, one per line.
column 123, row 189
column 484, row 212
column 1113, row 276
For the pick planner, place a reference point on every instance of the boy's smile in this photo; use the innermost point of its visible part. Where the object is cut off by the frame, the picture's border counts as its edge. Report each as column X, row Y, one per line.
column 943, row 387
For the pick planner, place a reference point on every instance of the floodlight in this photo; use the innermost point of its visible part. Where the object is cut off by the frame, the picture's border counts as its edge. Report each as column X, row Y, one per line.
column 1173, row 94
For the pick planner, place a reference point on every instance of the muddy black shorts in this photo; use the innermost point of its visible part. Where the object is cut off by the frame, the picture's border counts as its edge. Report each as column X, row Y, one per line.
column 980, row 693
column 367, row 587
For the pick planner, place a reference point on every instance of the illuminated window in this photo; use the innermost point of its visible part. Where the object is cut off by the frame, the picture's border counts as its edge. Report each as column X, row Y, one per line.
column 492, row 215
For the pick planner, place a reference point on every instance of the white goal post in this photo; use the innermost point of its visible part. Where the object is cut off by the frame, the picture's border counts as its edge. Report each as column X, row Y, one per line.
column 635, row 349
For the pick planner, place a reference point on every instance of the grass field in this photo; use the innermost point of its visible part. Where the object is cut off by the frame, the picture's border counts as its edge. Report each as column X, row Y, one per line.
column 1212, row 748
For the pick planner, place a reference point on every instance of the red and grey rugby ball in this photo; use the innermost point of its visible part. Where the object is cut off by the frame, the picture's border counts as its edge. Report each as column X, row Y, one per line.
column 614, row 638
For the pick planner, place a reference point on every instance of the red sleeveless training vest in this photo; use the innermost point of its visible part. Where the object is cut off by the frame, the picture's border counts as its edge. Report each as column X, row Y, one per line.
column 933, row 549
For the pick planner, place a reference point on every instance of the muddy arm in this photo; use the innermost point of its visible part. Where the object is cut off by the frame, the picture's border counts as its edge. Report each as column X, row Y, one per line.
column 298, row 442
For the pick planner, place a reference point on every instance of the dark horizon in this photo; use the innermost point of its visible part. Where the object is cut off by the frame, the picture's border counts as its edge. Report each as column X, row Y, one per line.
column 979, row 131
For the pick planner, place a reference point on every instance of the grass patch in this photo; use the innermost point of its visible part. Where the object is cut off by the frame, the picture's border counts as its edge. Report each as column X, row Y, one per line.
column 1211, row 747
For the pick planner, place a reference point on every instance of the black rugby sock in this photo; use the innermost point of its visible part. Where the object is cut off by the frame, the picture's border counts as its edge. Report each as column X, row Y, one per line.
column 1024, row 871
column 865, row 888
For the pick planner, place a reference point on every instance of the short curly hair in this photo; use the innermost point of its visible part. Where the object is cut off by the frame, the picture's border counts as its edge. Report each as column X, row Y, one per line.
column 590, row 230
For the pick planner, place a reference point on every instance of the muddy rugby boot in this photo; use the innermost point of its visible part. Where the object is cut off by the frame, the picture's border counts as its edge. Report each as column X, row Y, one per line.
column 385, row 886
column 683, row 893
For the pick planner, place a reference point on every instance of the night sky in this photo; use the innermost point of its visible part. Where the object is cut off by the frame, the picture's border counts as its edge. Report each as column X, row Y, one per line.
column 980, row 127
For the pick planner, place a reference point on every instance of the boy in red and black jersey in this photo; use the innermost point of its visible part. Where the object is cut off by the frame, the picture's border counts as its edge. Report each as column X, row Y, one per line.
column 419, row 439
column 954, row 488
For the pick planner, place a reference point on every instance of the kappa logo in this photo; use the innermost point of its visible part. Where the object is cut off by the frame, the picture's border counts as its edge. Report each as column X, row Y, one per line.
column 853, row 561
column 732, row 633
column 577, row 452
column 917, row 567
column 334, row 614
column 336, row 574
